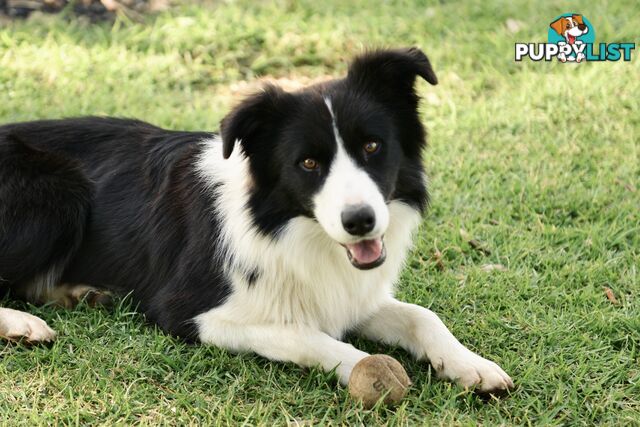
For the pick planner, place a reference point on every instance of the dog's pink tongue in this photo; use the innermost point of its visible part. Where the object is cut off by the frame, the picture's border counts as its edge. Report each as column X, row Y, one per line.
column 366, row 251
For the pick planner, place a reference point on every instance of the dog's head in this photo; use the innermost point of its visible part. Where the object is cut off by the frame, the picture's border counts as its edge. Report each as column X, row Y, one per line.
column 338, row 152
column 570, row 27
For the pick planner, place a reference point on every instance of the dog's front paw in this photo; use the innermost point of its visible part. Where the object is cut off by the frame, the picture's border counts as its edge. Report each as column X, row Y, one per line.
column 17, row 326
column 472, row 371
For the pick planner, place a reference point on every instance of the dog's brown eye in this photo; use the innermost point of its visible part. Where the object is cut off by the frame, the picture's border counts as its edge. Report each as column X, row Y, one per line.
column 310, row 164
column 371, row 147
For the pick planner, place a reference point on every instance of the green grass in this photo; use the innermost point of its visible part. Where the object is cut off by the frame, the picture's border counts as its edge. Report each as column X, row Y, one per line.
column 538, row 161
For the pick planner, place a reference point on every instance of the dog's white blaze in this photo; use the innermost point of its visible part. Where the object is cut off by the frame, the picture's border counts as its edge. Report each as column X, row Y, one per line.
column 305, row 277
column 347, row 184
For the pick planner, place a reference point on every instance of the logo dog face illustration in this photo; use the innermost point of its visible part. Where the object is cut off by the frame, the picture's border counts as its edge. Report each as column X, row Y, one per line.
column 570, row 27
column 571, row 38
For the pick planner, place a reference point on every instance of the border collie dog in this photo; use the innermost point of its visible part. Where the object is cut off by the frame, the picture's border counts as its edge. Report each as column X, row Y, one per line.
column 277, row 236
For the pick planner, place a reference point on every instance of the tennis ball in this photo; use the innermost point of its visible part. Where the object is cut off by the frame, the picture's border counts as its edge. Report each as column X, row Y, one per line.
column 376, row 376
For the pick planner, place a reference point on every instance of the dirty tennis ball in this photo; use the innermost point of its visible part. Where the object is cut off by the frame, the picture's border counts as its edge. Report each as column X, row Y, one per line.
column 376, row 376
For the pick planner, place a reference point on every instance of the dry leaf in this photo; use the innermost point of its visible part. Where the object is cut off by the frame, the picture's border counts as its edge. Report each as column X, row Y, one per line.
column 437, row 258
column 475, row 244
column 610, row 296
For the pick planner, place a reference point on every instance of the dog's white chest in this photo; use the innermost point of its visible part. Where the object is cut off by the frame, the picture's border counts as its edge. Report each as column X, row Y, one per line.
column 306, row 279
column 332, row 306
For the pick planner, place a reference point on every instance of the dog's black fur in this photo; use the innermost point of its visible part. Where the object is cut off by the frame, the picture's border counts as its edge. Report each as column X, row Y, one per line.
column 113, row 203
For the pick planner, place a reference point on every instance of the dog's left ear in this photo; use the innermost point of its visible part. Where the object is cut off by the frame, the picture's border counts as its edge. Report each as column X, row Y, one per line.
column 395, row 70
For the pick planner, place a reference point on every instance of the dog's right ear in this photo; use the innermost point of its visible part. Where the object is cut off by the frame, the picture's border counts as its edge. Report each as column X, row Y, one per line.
column 558, row 26
column 253, row 120
column 393, row 69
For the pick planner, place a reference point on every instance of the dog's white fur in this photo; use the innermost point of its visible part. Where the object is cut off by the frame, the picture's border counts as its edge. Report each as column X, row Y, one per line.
column 17, row 325
column 307, row 294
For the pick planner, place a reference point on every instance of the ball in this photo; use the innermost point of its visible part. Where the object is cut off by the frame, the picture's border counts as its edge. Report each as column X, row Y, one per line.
column 376, row 376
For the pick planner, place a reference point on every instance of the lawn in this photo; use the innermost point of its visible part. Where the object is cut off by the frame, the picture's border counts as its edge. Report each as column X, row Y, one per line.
column 539, row 163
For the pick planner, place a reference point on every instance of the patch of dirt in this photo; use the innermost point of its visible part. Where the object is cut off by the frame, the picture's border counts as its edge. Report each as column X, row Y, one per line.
column 95, row 10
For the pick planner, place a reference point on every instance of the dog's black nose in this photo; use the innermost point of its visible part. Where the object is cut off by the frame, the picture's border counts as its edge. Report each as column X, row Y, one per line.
column 358, row 220
column 582, row 27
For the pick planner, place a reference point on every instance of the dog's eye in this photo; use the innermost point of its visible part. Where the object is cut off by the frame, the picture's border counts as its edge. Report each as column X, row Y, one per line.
column 310, row 164
column 371, row 147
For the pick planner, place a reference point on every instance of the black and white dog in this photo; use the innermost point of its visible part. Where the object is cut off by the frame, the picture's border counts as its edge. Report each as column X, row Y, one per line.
column 277, row 236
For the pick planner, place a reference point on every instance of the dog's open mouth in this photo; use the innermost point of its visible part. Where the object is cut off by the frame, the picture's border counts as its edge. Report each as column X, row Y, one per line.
column 366, row 254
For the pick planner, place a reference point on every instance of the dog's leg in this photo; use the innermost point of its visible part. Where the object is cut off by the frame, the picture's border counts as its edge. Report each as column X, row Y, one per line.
column 17, row 325
column 301, row 345
column 68, row 296
column 421, row 332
